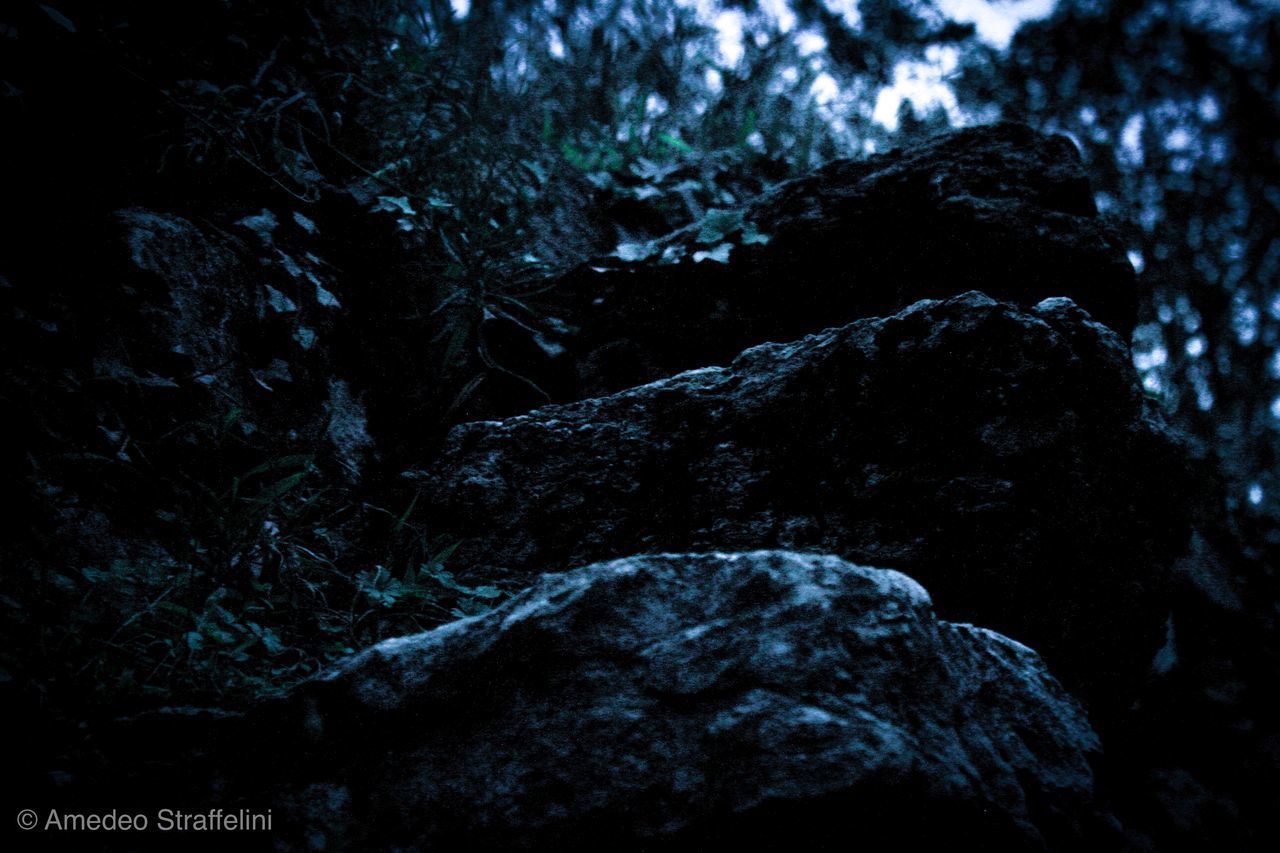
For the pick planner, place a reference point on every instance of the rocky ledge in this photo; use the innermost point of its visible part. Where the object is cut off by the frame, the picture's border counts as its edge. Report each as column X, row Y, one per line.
column 998, row 208
column 684, row 702
column 1004, row 457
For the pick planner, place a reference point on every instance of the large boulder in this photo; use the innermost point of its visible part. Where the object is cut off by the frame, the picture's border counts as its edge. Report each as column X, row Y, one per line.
column 1000, row 208
column 1004, row 457
column 767, row 699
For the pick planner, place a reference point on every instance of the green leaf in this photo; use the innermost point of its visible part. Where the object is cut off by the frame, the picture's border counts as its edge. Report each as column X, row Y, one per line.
column 297, row 461
column 394, row 204
column 325, row 298
column 59, row 18
column 748, row 126
column 445, row 553
column 673, row 254
column 231, row 418
column 213, row 632
column 676, row 143
column 720, row 254
column 278, row 302
column 176, row 609
column 633, row 252
column 305, row 337
column 278, row 489
column 400, row 522
column 153, row 381
column 644, row 192
column 751, row 235
column 718, row 225
column 268, row 637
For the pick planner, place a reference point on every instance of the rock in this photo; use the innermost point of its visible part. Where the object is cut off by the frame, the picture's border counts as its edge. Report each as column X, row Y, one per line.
column 683, row 702
column 1005, row 458
column 199, row 303
column 1000, row 208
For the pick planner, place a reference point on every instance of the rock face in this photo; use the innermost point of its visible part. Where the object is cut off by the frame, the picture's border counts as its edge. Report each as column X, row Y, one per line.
column 1003, row 457
column 999, row 208
column 682, row 701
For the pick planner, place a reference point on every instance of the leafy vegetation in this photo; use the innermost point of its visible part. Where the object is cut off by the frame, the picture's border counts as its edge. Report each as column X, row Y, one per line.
column 1174, row 107
column 276, row 249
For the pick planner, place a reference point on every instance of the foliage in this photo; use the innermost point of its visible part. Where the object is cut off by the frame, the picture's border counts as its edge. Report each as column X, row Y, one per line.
column 263, row 595
column 1175, row 110
column 374, row 196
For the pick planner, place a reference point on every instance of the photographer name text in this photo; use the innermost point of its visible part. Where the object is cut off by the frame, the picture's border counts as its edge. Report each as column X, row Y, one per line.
column 161, row 820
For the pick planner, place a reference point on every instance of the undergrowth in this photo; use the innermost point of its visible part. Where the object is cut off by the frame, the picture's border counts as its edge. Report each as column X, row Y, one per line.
column 356, row 211
column 379, row 189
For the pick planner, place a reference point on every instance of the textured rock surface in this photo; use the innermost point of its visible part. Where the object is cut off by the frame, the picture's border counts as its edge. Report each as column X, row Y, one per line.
column 998, row 208
column 686, row 700
column 1005, row 458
